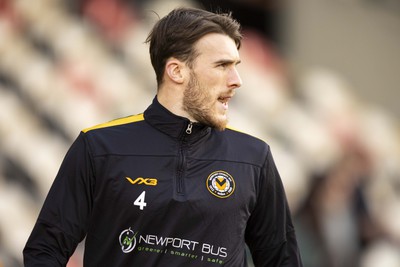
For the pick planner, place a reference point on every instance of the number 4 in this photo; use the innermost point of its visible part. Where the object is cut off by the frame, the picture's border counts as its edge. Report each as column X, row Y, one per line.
column 140, row 201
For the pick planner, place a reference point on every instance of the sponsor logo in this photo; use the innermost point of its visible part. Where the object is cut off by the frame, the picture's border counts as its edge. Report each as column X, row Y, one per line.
column 141, row 180
column 127, row 240
column 220, row 184
column 175, row 246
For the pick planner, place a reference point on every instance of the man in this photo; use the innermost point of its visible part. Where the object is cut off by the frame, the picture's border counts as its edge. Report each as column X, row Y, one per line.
column 171, row 186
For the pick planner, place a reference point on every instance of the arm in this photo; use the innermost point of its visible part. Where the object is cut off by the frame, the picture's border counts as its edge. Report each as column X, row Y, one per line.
column 270, row 233
column 63, row 220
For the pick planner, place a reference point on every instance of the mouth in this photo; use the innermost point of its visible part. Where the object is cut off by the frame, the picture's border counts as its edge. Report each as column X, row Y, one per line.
column 224, row 101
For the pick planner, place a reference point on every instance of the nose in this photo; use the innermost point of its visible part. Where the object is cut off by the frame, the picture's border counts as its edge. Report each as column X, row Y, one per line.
column 234, row 79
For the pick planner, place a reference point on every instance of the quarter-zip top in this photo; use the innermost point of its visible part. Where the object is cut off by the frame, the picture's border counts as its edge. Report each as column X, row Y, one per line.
column 158, row 190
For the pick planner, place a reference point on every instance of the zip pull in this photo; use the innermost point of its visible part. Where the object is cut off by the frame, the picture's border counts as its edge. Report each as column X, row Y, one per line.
column 189, row 128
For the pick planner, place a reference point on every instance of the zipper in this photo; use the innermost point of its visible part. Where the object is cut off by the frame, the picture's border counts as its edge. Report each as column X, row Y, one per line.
column 179, row 177
column 189, row 128
column 182, row 160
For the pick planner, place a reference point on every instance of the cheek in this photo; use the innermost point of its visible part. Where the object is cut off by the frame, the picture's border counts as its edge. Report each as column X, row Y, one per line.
column 211, row 78
column 207, row 91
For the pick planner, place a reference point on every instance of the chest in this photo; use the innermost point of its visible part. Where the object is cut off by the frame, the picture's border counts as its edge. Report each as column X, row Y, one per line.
column 141, row 185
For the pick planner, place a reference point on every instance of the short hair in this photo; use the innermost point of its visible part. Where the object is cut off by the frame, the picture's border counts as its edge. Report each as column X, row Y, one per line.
column 176, row 34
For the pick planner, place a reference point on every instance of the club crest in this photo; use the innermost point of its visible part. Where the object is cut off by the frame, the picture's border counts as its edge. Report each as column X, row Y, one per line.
column 220, row 184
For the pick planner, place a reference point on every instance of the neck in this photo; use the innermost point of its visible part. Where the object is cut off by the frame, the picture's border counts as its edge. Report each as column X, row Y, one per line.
column 173, row 101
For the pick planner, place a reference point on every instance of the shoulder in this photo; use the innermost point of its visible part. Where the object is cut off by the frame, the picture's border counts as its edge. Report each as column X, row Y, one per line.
column 116, row 136
column 115, row 123
column 245, row 146
column 244, row 138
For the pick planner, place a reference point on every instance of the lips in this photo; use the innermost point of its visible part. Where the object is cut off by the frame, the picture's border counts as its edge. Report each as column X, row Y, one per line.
column 224, row 100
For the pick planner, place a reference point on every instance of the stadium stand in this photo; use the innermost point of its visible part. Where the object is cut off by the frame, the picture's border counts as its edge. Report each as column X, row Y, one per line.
column 67, row 66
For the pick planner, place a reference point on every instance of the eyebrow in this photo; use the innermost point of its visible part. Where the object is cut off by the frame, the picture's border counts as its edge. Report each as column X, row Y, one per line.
column 227, row 61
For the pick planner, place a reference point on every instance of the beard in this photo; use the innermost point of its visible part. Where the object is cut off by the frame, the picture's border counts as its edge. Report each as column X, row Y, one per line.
column 200, row 104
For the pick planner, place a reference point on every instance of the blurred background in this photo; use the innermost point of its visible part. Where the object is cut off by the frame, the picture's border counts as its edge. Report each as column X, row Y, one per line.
column 320, row 85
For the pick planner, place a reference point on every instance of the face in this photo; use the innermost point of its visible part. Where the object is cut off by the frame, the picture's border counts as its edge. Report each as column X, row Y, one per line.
column 213, row 80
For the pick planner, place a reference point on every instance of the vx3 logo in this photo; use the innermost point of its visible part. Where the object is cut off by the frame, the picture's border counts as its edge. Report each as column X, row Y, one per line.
column 141, row 180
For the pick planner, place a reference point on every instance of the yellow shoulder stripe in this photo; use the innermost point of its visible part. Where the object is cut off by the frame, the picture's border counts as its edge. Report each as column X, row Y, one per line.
column 234, row 129
column 130, row 119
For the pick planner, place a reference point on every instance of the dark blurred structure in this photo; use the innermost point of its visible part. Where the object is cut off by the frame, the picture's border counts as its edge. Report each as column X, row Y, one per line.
column 262, row 16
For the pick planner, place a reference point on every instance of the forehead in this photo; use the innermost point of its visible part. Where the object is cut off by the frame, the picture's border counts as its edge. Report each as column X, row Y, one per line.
column 215, row 46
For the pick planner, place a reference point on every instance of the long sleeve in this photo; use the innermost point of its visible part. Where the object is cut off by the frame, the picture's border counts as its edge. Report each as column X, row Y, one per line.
column 270, row 233
column 63, row 220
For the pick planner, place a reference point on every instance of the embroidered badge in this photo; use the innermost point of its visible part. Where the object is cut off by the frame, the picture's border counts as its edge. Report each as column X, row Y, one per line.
column 220, row 184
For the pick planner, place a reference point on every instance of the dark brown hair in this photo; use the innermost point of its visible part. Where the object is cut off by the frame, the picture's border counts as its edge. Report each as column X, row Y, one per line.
column 175, row 35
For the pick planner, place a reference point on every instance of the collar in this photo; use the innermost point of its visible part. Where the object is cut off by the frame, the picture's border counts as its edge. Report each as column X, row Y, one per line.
column 173, row 125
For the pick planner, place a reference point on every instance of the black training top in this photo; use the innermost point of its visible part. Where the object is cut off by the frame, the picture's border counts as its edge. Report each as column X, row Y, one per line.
column 155, row 189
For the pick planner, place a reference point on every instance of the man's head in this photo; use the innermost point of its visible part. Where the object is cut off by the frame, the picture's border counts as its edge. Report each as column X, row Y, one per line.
column 176, row 34
column 194, row 54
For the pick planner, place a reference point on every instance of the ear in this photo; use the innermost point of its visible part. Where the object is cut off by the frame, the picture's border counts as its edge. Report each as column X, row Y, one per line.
column 174, row 69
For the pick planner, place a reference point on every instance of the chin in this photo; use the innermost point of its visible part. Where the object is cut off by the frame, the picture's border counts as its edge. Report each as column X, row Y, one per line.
column 220, row 125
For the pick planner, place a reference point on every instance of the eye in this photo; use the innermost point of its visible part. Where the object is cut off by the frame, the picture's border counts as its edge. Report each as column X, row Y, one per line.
column 226, row 63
